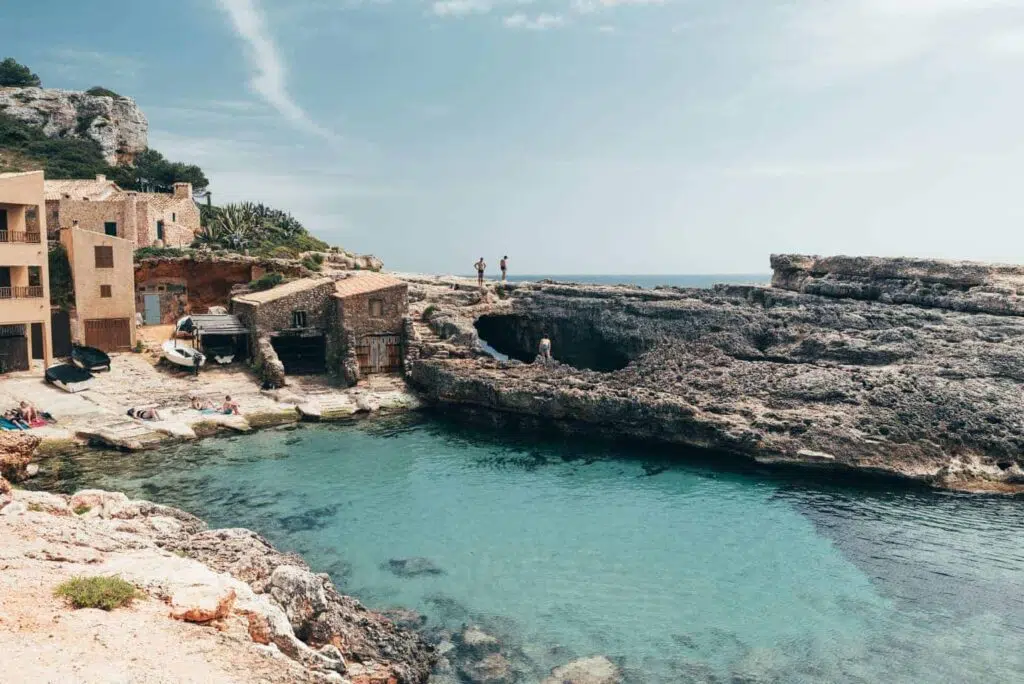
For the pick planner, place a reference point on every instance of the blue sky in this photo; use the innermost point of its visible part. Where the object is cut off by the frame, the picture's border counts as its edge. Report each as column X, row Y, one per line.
column 579, row 136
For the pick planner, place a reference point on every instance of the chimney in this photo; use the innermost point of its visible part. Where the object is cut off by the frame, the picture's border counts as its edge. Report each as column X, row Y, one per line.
column 183, row 190
column 100, row 178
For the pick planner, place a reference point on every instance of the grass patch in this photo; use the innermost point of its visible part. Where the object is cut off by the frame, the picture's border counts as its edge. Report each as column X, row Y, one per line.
column 105, row 593
column 36, row 508
column 267, row 281
column 82, row 509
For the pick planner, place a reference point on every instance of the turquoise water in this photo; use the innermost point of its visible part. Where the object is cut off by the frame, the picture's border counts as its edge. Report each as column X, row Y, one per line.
column 681, row 569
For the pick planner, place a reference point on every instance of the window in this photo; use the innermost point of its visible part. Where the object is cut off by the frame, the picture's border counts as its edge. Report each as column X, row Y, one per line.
column 35, row 276
column 174, row 217
column 298, row 319
column 105, row 291
column 3, row 220
column 159, row 230
column 104, row 256
column 377, row 308
column 110, row 228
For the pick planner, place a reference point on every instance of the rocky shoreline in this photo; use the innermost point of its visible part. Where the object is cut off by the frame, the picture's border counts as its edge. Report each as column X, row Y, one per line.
column 902, row 367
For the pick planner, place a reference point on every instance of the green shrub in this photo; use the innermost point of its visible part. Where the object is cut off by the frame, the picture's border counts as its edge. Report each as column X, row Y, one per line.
column 428, row 312
column 312, row 264
column 267, row 281
column 151, row 252
column 100, row 91
column 82, row 509
column 317, row 257
column 62, row 287
column 105, row 593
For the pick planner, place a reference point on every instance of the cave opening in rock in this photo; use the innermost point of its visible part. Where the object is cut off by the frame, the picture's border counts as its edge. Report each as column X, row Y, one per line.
column 577, row 344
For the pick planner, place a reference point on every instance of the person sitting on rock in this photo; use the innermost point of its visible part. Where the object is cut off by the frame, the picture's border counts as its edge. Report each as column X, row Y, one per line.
column 545, row 350
column 199, row 404
column 230, row 406
column 28, row 412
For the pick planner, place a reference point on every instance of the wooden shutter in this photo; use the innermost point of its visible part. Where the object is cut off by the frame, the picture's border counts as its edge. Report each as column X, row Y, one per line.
column 104, row 256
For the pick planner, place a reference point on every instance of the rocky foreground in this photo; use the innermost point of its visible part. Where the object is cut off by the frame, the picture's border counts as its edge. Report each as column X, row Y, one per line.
column 912, row 368
column 219, row 605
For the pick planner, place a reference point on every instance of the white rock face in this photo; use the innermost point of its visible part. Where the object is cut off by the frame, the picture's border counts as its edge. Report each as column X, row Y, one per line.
column 116, row 123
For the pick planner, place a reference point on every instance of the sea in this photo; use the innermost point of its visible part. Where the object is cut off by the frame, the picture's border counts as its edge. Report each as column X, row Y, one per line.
column 651, row 281
column 680, row 565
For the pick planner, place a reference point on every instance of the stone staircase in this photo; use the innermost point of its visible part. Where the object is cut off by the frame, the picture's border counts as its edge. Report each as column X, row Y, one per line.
column 431, row 344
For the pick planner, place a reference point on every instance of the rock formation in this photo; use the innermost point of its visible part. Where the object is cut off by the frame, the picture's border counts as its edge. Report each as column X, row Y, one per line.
column 232, row 580
column 901, row 367
column 115, row 123
column 16, row 450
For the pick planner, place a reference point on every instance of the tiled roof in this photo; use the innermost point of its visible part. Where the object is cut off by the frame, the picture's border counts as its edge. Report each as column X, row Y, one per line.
column 285, row 290
column 363, row 282
column 91, row 189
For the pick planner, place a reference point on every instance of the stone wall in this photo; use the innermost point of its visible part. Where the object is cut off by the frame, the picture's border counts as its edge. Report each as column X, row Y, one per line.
column 136, row 215
column 275, row 315
column 354, row 311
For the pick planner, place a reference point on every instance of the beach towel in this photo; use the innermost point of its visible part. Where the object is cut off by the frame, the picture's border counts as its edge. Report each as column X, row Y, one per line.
column 38, row 422
column 8, row 425
column 207, row 412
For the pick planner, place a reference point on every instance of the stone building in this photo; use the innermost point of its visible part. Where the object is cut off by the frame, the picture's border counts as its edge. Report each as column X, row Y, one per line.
column 291, row 326
column 143, row 218
column 102, row 271
column 348, row 327
column 370, row 310
column 24, row 273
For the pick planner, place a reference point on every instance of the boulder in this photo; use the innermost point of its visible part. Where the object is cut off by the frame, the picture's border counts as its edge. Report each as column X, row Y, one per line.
column 593, row 670
column 202, row 603
column 300, row 593
column 492, row 669
column 473, row 642
column 16, row 450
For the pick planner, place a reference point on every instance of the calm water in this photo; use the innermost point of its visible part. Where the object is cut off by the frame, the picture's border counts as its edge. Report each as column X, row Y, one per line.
column 681, row 570
column 651, row 281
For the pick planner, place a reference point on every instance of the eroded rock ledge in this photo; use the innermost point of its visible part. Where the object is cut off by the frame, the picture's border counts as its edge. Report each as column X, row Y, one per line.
column 903, row 367
column 263, row 609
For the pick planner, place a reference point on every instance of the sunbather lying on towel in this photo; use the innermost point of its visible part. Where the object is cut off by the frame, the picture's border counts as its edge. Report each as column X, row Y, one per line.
column 144, row 413
column 12, row 420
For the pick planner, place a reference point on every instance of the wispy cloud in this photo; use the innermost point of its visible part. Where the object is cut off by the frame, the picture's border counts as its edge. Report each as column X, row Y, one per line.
column 269, row 79
column 459, row 8
column 589, row 6
column 541, row 22
column 846, row 37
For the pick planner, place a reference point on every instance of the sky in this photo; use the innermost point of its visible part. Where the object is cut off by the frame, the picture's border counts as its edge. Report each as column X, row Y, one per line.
column 578, row 136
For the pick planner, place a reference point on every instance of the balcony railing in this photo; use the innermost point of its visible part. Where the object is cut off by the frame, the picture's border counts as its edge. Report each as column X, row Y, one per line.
column 30, row 237
column 21, row 292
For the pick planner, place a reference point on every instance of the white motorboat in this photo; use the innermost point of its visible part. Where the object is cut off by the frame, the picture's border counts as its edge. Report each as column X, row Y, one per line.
column 186, row 357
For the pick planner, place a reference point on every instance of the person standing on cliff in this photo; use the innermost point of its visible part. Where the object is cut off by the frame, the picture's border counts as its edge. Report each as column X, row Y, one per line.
column 503, row 264
column 480, row 266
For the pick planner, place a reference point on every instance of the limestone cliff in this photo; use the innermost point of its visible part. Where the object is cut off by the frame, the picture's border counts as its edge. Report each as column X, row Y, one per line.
column 115, row 123
column 883, row 365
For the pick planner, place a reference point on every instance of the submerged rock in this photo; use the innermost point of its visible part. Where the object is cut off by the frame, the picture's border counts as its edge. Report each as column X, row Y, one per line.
column 593, row 670
column 492, row 669
column 412, row 567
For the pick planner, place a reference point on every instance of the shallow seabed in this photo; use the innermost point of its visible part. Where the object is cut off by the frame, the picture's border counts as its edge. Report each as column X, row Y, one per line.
column 680, row 569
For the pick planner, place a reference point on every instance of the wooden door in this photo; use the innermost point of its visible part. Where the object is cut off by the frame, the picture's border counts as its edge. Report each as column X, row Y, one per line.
column 13, row 348
column 383, row 354
column 108, row 334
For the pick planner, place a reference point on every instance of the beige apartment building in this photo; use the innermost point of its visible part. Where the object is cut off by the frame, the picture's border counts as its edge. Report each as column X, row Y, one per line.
column 24, row 272
column 144, row 219
column 104, row 277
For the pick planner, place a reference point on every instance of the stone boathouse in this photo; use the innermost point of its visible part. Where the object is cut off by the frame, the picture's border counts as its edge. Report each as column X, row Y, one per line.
column 348, row 327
